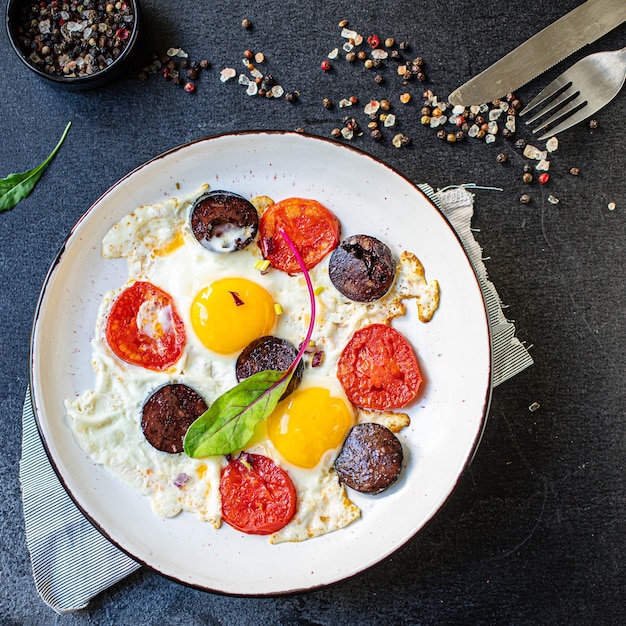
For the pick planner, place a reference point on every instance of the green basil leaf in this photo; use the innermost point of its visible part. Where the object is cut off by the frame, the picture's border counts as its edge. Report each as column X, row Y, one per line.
column 229, row 422
column 16, row 187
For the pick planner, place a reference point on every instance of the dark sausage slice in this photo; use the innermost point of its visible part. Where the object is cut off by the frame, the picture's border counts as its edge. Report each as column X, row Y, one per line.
column 362, row 268
column 168, row 413
column 223, row 221
column 370, row 459
column 269, row 353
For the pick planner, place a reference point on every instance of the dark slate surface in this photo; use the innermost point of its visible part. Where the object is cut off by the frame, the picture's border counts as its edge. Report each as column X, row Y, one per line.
column 534, row 533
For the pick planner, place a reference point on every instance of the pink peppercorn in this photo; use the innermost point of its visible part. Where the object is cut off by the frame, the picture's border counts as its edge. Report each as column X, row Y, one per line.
column 190, row 87
column 544, row 178
column 373, row 41
column 325, row 65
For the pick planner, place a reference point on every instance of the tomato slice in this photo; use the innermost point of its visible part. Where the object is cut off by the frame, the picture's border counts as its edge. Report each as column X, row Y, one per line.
column 378, row 369
column 312, row 228
column 258, row 497
column 144, row 328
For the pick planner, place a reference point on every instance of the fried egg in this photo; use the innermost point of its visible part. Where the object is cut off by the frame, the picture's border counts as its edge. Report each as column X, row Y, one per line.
column 226, row 302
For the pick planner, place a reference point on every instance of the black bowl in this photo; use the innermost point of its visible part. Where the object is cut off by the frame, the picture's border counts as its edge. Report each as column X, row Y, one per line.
column 79, row 81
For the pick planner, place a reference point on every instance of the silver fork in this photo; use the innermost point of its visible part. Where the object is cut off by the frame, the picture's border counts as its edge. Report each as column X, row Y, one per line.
column 579, row 92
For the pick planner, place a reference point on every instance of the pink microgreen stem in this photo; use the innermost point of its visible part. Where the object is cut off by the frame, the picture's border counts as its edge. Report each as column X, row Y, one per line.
column 307, row 278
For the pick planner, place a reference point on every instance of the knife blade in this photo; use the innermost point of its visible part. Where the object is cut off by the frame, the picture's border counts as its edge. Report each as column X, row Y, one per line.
column 576, row 29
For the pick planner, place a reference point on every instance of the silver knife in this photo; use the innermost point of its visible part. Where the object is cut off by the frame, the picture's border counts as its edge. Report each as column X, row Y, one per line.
column 576, row 29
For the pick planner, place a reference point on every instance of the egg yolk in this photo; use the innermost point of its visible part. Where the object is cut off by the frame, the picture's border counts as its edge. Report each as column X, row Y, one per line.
column 230, row 313
column 307, row 424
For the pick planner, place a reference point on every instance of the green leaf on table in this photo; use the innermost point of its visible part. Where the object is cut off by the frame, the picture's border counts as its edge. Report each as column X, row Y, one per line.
column 230, row 421
column 16, row 187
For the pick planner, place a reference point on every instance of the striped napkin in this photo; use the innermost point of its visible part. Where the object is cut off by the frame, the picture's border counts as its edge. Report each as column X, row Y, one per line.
column 72, row 562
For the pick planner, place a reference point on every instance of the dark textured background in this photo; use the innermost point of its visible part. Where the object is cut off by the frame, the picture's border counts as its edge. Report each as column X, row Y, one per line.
column 534, row 533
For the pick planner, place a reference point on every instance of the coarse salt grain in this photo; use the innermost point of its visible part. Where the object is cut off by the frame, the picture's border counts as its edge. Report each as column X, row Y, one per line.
column 333, row 54
column 379, row 54
column 534, row 406
column 346, row 33
column 552, row 144
column 553, row 200
column 531, row 152
column 177, row 52
column 227, row 73
column 543, row 165
column 510, row 123
column 390, row 120
column 371, row 107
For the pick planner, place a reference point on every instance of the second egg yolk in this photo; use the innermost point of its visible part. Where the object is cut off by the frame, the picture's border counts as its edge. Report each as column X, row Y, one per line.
column 307, row 424
column 230, row 313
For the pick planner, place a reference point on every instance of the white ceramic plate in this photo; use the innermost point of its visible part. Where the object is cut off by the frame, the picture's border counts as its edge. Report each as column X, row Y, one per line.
column 454, row 353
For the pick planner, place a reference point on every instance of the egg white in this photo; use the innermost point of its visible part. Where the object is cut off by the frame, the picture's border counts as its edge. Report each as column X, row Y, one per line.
column 159, row 247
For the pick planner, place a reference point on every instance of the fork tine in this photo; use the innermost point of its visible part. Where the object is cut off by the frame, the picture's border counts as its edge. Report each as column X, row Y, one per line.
column 563, row 99
column 578, row 116
column 551, row 90
column 578, row 103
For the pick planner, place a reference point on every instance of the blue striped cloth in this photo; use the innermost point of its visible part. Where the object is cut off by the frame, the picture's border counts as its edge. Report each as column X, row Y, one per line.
column 72, row 562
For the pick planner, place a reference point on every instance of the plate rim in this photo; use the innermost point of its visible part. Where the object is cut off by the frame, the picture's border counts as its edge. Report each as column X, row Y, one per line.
column 485, row 402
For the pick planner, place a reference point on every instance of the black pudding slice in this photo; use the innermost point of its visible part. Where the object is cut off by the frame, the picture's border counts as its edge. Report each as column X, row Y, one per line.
column 370, row 459
column 362, row 268
column 223, row 221
column 167, row 415
column 269, row 353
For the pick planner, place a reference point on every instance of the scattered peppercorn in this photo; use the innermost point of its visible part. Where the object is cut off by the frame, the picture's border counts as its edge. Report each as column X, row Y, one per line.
column 328, row 103
column 502, row 158
column 204, row 64
column 574, row 171
column 543, row 178
column 246, row 23
column 190, row 87
column 376, row 134
column 593, row 123
column 336, row 133
column 525, row 198
column 527, row 178
column 291, row 96
column 378, row 79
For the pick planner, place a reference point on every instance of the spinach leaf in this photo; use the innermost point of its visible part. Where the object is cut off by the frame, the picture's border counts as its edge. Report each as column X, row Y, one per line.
column 230, row 421
column 16, row 187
